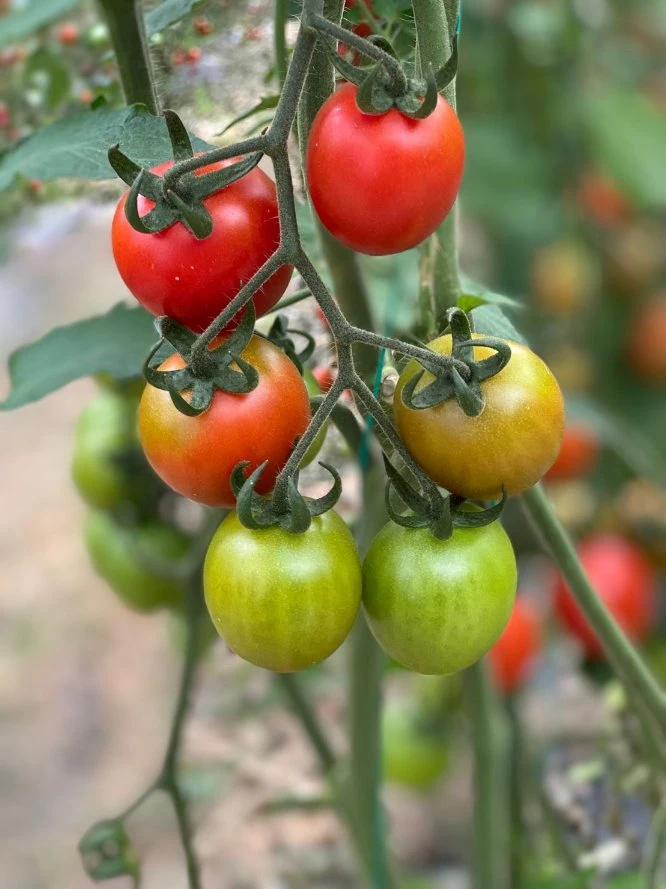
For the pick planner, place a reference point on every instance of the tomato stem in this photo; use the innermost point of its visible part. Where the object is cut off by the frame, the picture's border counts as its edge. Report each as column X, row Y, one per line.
column 128, row 36
column 280, row 38
column 491, row 797
column 624, row 658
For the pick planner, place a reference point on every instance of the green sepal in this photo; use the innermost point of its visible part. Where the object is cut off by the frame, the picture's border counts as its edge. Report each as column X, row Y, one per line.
column 431, row 511
column 106, row 852
column 178, row 136
column 446, row 74
column 279, row 334
column 465, row 518
column 415, row 107
column 372, row 97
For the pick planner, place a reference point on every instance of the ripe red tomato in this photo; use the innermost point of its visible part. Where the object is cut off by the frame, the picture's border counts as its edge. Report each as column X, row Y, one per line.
column 578, row 453
column 512, row 657
column 624, row 580
column 324, row 376
column 283, row 601
column 646, row 344
column 381, row 183
column 203, row 25
column 194, row 54
column 513, row 442
column 68, row 33
column 173, row 273
column 196, row 455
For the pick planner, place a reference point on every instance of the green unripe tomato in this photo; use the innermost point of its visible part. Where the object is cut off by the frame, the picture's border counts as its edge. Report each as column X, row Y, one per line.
column 132, row 387
column 206, row 633
column 437, row 606
column 313, row 388
column 122, row 556
column 411, row 754
column 283, row 601
column 104, row 431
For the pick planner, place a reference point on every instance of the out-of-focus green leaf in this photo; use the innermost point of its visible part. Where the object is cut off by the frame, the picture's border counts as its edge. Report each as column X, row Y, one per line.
column 629, row 443
column 627, row 135
column 50, row 73
column 116, row 343
column 295, row 804
column 475, row 294
column 630, row 880
column 29, row 18
column 492, row 321
column 168, row 13
column 77, row 146
column 582, row 880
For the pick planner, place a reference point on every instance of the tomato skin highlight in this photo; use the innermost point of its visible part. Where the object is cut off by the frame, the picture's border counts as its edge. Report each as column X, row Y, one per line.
column 116, row 551
column 173, row 273
column 437, row 606
column 579, row 452
column 196, row 455
column 283, row 601
column 382, row 183
column 625, row 582
column 512, row 657
column 513, row 442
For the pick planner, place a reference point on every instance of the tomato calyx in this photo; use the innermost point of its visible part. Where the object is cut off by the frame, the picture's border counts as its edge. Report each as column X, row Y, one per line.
column 441, row 514
column 279, row 334
column 176, row 199
column 287, row 508
column 385, row 84
column 206, row 370
column 107, row 852
column 449, row 382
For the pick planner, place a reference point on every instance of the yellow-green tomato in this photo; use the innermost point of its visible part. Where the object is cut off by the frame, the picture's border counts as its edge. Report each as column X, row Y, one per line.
column 283, row 601
column 313, row 388
column 513, row 442
column 104, row 432
column 437, row 606
column 412, row 754
column 127, row 559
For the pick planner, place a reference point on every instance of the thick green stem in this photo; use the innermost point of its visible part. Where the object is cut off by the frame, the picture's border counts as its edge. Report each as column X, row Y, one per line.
column 624, row 658
column 440, row 281
column 128, row 36
column 491, row 796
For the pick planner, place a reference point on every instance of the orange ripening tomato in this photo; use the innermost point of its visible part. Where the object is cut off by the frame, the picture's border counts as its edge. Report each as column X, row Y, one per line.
column 578, row 453
column 625, row 582
column 196, row 455
column 513, row 656
column 646, row 343
column 600, row 199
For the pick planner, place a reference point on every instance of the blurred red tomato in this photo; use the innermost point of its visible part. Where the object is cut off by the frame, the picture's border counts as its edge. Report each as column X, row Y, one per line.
column 513, row 656
column 601, row 200
column 624, row 580
column 194, row 54
column 5, row 116
column 578, row 453
column 325, row 376
column 646, row 342
column 67, row 33
column 203, row 25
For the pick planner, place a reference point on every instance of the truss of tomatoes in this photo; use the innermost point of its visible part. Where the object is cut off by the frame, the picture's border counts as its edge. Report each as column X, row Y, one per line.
column 380, row 183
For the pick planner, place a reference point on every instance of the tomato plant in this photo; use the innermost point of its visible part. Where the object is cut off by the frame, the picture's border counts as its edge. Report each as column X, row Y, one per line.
column 105, row 434
column 283, row 601
column 436, row 606
column 382, row 183
column 625, row 582
column 131, row 560
column 173, row 273
column 578, row 453
column 513, row 656
column 196, row 455
column 513, row 442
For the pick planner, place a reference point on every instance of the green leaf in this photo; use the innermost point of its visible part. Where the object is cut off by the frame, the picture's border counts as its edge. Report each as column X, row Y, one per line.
column 491, row 320
column 627, row 440
column 33, row 15
column 49, row 72
column 267, row 103
column 627, row 134
column 475, row 294
column 168, row 13
column 115, row 343
column 77, row 146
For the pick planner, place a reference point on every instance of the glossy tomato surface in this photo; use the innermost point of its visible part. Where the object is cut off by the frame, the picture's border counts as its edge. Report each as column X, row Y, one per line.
column 578, row 454
column 105, row 433
column 381, row 183
column 513, row 442
column 173, row 273
column 513, row 656
column 624, row 580
column 283, row 601
column 196, row 455
column 124, row 557
column 436, row 606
